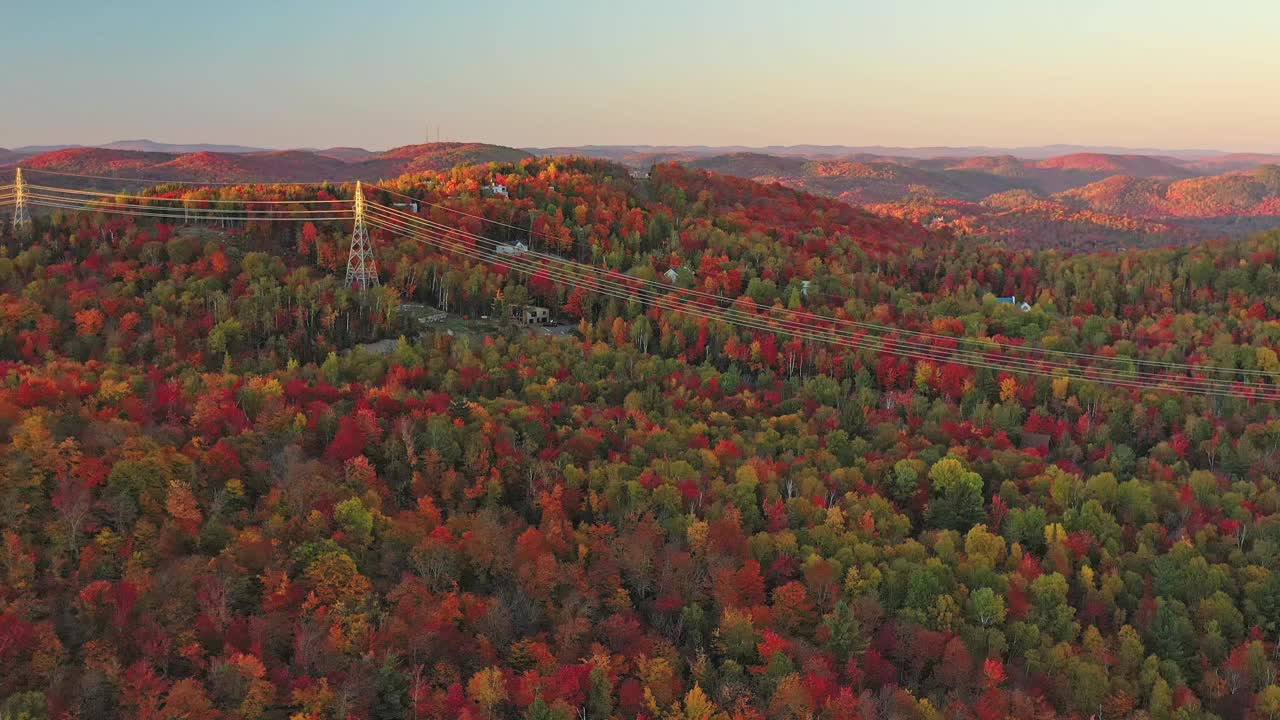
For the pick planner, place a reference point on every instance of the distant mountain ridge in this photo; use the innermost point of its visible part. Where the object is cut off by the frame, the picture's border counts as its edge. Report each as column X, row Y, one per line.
column 152, row 146
column 186, row 148
column 338, row 165
column 1079, row 200
column 1028, row 152
column 143, row 146
column 641, row 153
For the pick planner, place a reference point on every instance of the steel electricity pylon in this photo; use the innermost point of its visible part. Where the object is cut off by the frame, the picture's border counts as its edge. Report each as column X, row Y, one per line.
column 21, row 215
column 362, row 270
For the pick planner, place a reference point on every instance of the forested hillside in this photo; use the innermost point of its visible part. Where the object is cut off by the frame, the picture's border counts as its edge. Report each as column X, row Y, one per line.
column 336, row 164
column 214, row 508
column 1078, row 202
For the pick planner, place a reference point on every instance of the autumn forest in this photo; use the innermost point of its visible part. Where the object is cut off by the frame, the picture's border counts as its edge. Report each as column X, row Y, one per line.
column 234, row 487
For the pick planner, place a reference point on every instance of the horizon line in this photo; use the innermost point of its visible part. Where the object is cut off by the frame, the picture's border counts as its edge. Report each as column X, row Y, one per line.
column 1003, row 149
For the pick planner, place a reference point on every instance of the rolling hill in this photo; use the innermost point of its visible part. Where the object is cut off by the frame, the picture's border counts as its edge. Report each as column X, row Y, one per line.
column 347, row 154
column 1076, row 200
column 873, row 178
column 751, row 165
column 1250, row 192
column 1079, row 200
column 338, row 164
column 10, row 156
column 1022, row 219
column 97, row 161
column 1139, row 165
column 620, row 153
column 153, row 146
column 441, row 156
column 1232, row 161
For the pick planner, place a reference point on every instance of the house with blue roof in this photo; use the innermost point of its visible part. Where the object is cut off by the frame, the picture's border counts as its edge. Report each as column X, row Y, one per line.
column 1024, row 306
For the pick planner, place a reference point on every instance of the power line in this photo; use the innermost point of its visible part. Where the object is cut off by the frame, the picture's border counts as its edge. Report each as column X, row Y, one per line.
column 952, row 354
column 251, row 212
column 162, row 181
column 595, row 285
column 177, row 215
column 987, row 342
column 154, row 198
column 796, row 323
column 890, row 345
column 811, row 317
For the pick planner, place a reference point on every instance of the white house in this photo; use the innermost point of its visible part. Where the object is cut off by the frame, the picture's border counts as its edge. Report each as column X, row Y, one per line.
column 639, row 174
column 1025, row 306
column 515, row 248
column 497, row 189
column 804, row 287
column 671, row 274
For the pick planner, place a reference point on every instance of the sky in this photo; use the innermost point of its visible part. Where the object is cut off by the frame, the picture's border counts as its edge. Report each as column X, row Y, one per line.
column 1173, row 74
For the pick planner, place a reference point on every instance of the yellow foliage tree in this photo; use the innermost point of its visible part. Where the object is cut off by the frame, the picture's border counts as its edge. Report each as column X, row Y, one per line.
column 488, row 688
column 335, row 580
column 1268, row 704
column 697, row 706
column 1008, row 389
column 1060, row 385
column 981, row 543
column 1054, row 533
column 182, row 505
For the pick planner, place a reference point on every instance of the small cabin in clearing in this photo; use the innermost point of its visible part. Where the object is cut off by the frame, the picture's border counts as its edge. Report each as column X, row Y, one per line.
column 531, row 314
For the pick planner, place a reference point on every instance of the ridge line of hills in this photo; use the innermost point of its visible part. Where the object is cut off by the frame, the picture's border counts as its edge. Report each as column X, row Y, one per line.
column 336, row 164
column 610, row 151
column 1084, row 200
column 1079, row 201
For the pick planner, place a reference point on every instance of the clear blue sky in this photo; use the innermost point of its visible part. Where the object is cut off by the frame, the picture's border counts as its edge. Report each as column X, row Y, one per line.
column 286, row 73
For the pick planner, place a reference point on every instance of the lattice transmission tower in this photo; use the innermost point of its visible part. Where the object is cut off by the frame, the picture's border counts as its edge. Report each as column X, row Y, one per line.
column 362, row 270
column 21, row 215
